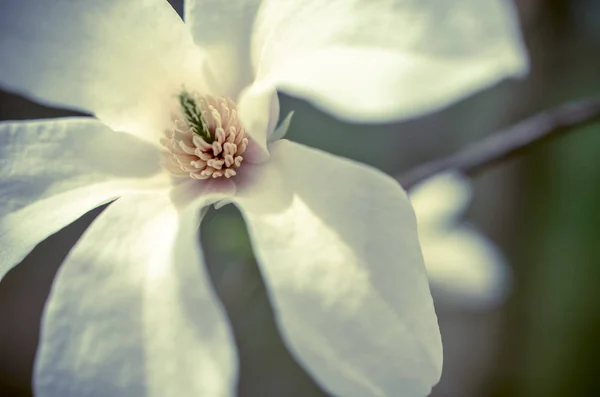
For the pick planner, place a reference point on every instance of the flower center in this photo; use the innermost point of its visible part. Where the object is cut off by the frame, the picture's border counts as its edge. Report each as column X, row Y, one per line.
column 206, row 140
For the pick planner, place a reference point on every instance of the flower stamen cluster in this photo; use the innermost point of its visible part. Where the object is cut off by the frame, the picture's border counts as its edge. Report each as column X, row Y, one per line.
column 206, row 140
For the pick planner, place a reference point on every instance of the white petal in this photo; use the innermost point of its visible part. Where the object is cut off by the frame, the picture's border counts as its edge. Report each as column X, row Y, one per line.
column 465, row 268
column 439, row 200
column 337, row 244
column 121, row 60
column 282, row 129
column 132, row 312
column 383, row 60
column 259, row 111
column 223, row 30
column 52, row 172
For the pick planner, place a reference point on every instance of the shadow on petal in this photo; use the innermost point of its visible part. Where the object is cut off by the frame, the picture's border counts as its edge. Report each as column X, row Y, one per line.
column 23, row 294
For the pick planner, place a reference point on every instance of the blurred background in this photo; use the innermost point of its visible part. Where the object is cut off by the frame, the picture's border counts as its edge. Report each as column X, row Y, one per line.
column 542, row 210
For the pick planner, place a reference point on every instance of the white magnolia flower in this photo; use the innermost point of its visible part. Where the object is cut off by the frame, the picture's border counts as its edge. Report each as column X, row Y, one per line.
column 131, row 312
column 464, row 267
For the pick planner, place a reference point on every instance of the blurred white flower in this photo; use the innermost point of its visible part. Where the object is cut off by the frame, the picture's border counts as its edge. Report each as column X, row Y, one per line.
column 463, row 266
column 131, row 311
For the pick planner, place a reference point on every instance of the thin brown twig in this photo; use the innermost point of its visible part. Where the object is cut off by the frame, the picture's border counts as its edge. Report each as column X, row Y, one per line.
column 510, row 142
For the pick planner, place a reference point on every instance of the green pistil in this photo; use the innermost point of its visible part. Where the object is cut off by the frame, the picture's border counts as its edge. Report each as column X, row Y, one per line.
column 191, row 112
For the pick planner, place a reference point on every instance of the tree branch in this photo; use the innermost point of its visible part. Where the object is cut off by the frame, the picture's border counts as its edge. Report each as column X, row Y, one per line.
column 510, row 142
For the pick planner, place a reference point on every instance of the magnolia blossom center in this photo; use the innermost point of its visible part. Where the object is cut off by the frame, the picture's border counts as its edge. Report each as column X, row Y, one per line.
column 206, row 138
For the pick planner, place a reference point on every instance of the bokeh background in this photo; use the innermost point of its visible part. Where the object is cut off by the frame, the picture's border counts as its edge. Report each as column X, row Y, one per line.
column 542, row 210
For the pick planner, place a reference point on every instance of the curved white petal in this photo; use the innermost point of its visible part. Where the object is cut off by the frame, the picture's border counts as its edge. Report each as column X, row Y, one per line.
column 465, row 268
column 222, row 29
column 337, row 244
column 52, row 172
column 132, row 312
column 120, row 60
column 383, row 60
column 259, row 111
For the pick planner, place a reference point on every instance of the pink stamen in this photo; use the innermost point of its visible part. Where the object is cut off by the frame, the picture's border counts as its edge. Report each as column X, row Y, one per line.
column 187, row 154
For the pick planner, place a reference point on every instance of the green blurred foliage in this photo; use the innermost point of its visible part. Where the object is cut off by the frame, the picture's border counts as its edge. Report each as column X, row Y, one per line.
column 561, row 268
